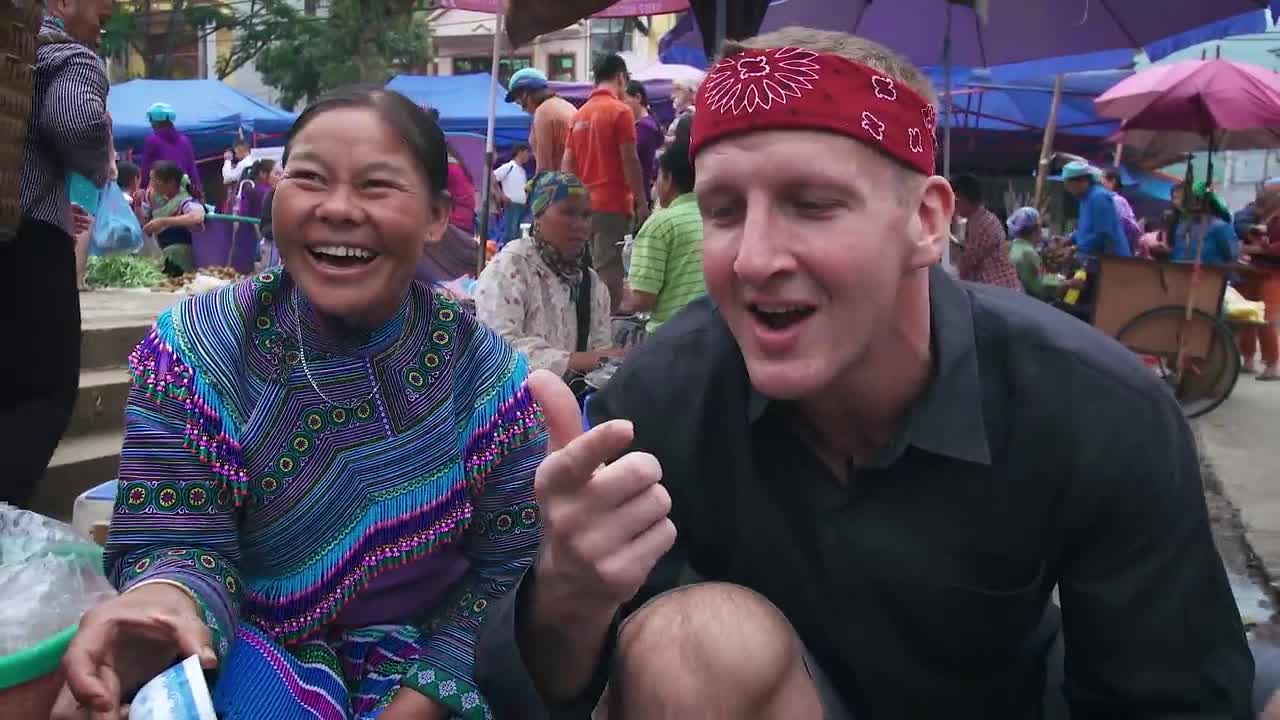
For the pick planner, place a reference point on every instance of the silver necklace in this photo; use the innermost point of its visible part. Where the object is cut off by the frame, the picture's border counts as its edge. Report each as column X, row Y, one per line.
column 302, row 354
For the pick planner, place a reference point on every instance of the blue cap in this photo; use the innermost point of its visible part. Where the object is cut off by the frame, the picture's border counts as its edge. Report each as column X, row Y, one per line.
column 525, row 79
column 160, row 112
column 1077, row 169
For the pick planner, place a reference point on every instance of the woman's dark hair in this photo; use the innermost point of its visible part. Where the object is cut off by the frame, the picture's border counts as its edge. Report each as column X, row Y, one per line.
column 1113, row 176
column 418, row 128
column 262, row 167
column 1151, row 225
column 126, row 173
column 968, row 187
column 635, row 89
column 675, row 163
column 168, row 171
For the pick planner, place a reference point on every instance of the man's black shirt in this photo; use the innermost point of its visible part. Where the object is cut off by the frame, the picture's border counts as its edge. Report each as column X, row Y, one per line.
column 1040, row 454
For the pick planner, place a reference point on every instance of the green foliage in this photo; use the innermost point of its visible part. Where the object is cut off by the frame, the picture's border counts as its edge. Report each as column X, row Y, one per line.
column 358, row 41
column 123, row 271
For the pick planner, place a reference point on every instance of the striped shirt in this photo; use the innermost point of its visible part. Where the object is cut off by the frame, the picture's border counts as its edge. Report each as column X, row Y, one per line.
column 667, row 259
column 68, row 131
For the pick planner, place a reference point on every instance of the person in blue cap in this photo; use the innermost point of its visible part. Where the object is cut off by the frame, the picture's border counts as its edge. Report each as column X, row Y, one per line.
column 552, row 116
column 1099, row 230
column 166, row 143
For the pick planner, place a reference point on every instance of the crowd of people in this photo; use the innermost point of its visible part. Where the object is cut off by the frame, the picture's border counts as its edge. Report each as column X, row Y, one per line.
column 832, row 481
column 1198, row 227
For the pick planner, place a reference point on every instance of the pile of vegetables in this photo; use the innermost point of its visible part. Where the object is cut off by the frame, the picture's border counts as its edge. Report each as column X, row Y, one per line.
column 123, row 271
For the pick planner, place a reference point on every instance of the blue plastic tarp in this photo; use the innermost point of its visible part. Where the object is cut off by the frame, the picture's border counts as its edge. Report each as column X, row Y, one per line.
column 984, row 103
column 210, row 112
column 463, row 102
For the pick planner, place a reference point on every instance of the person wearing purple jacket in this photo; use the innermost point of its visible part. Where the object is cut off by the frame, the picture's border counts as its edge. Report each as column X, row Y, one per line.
column 166, row 143
column 649, row 136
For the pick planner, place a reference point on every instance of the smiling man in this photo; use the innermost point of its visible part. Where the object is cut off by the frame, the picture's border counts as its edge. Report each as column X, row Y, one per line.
column 881, row 472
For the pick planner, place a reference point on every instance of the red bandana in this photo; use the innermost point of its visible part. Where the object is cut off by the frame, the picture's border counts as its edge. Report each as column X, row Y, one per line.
column 796, row 89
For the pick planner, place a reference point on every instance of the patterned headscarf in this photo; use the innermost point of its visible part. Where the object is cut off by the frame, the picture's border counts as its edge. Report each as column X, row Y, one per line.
column 1022, row 222
column 547, row 189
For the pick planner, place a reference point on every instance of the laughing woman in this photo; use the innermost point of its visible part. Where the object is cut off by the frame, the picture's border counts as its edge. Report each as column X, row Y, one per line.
column 328, row 469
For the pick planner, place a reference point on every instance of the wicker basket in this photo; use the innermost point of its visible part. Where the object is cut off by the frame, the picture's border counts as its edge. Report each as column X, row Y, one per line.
column 19, row 22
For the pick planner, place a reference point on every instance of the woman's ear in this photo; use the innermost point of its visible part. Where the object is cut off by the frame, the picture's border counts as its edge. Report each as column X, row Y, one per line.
column 439, row 220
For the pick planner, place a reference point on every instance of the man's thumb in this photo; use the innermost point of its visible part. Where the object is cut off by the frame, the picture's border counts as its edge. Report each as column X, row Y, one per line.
column 559, row 407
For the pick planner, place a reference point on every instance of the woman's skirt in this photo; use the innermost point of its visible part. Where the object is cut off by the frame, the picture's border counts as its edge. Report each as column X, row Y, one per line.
column 349, row 675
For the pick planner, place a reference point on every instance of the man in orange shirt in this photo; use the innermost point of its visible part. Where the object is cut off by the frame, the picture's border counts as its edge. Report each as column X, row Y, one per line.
column 602, row 152
column 551, row 113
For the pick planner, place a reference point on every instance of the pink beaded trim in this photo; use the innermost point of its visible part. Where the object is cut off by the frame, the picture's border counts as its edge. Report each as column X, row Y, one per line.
column 515, row 421
column 158, row 371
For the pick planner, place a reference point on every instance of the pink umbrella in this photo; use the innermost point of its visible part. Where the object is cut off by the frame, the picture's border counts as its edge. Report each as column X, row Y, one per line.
column 1200, row 96
column 1152, row 148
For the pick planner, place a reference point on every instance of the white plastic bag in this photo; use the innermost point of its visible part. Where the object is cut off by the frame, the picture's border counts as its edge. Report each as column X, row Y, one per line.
column 50, row 575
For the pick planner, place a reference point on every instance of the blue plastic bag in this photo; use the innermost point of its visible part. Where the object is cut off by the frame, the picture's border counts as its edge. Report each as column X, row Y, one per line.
column 115, row 227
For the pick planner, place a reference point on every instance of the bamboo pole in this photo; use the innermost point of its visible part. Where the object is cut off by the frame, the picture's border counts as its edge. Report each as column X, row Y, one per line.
column 486, row 183
column 1046, row 147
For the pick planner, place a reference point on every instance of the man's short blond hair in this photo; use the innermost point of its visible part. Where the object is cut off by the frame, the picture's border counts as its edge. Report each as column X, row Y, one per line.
column 850, row 47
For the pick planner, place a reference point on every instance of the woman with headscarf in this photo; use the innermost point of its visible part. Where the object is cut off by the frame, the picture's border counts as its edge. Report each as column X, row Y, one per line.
column 1024, row 239
column 166, row 143
column 539, row 293
column 1203, row 216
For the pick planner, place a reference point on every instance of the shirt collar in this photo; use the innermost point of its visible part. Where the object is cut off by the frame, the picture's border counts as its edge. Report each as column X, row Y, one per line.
column 947, row 419
column 602, row 91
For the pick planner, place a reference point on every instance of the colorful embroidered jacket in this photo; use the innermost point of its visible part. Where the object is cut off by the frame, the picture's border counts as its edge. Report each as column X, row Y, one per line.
column 279, row 508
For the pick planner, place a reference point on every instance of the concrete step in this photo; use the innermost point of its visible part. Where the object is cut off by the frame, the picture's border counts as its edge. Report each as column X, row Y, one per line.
column 108, row 345
column 80, row 462
column 100, row 403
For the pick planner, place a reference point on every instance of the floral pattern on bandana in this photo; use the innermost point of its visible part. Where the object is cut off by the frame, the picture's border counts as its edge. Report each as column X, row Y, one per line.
column 751, row 83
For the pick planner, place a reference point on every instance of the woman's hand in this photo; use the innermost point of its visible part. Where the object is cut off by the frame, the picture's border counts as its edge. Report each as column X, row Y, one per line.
column 590, row 360
column 123, row 643
column 156, row 226
column 409, row 704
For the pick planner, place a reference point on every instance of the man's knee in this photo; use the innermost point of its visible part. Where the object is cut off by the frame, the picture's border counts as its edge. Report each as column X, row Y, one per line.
column 713, row 649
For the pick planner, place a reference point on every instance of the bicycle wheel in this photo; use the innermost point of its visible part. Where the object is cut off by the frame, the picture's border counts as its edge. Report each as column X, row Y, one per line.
column 1210, row 363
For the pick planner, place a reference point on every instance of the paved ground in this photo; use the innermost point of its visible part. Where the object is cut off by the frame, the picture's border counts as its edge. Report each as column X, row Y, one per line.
column 110, row 308
column 1240, row 446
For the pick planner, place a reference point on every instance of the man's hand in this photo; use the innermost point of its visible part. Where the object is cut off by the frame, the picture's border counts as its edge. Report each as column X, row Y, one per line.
column 642, row 213
column 81, row 220
column 409, row 704
column 605, row 517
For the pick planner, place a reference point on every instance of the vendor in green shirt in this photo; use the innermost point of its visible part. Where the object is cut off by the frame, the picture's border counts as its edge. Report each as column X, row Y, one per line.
column 666, row 259
column 1024, row 241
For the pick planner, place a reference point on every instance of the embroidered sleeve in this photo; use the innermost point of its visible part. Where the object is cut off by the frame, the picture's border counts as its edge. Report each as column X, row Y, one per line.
column 501, row 296
column 507, row 443
column 175, row 512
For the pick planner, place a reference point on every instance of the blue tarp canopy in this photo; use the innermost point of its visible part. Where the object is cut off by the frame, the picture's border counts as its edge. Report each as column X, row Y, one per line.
column 463, row 102
column 210, row 112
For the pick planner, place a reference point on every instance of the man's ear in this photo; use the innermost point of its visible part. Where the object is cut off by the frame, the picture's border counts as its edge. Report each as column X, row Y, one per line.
column 932, row 220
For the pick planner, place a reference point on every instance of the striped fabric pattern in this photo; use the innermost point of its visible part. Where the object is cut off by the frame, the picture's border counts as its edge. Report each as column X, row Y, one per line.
column 285, row 514
column 666, row 259
column 68, row 131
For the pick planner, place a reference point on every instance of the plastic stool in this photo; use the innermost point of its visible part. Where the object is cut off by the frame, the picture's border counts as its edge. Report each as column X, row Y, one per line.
column 94, row 506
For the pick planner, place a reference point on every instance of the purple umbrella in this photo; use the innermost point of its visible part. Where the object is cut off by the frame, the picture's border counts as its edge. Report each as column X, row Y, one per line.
column 982, row 33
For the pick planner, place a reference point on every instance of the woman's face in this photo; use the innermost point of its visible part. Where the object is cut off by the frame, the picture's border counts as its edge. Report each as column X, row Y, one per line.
column 566, row 225
column 351, row 215
column 277, row 173
column 167, row 188
column 681, row 97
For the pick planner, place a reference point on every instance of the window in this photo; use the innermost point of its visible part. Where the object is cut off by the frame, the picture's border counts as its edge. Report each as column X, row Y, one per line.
column 563, row 66
column 506, row 67
column 471, row 65
column 612, row 35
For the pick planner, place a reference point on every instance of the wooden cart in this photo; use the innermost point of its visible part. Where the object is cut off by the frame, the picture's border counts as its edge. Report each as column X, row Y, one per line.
column 1169, row 313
